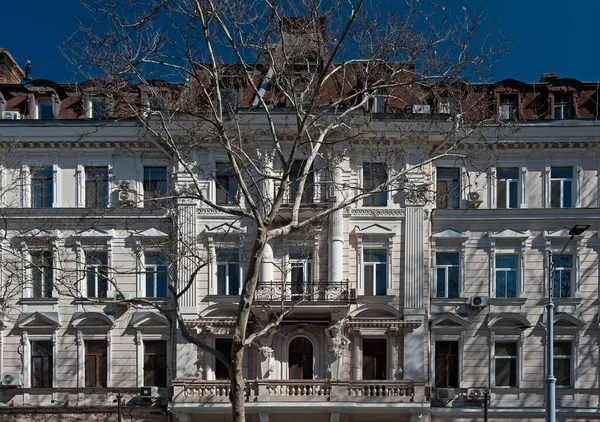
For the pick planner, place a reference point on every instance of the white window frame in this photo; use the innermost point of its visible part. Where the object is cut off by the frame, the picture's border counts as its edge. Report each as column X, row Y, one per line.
column 458, row 337
column 30, row 270
column 285, row 353
column 80, row 179
column 307, row 265
column 574, row 340
column 516, row 252
column 141, row 337
column 507, row 181
column 388, row 192
column 37, row 106
column 462, row 183
column 143, row 270
column 26, row 340
column 25, row 177
column 554, row 246
column 562, row 181
column 448, row 241
column 575, row 178
column 147, row 162
column 436, row 267
column 80, row 340
column 100, row 243
column 233, row 247
column 506, row 338
column 508, row 246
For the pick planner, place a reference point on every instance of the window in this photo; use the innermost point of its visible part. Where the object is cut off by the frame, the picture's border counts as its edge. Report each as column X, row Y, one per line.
column 224, row 346
column 99, row 107
column 563, row 265
column 95, row 363
column 375, row 272
column 96, row 187
column 41, row 273
column 509, row 107
column 96, row 268
column 374, row 360
column 300, row 271
column 562, row 363
column 228, row 272
column 374, row 175
column 446, row 106
column 155, row 363
column 155, row 185
column 506, row 275
column 41, row 364
column 447, row 187
column 507, row 182
column 227, row 187
column 295, row 173
column 505, row 363
column 447, row 274
column 156, row 102
column 561, row 187
column 229, row 100
column 42, row 187
column 563, row 106
column 156, row 275
column 44, row 108
column 446, row 364
column 301, row 359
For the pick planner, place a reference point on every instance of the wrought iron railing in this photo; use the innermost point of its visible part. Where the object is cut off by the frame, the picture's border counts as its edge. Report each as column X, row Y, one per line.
column 305, row 291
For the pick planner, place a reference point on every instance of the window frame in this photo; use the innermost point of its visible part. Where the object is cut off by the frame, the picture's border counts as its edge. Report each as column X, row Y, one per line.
column 34, row 268
column 517, row 271
column 227, row 267
column 566, row 104
column 144, row 273
column 512, row 104
column 156, row 369
column 508, row 181
column 39, row 102
column 154, row 201
column 85, row 281
column 102, row 198
column 375, row 265
column 573, row 339
column 379, row 199
column 386, row 360
column 28, row 367
column 438, row 338
column 458, row 188
column 98, row 364
column 562, row 181
column 307, row 264
column 561, row 270
column 436, row 267
column 230, row 183
column 43, row 181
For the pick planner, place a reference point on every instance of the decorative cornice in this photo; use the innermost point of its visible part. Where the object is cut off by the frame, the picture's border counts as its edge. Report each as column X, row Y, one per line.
column 377, row 212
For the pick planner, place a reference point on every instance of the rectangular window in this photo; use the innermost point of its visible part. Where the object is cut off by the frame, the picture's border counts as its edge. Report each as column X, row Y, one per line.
column 96, row 187
column 374, row 174
column 41, row 364
column 507, row 183
column 99, row 107
column 227, row 187
column 562, row 363
column 505, row 363
column 44, row 108
column 96, row 268
column 41, row 273
column 300, row 271
column 309, row 185
column 95, row 363
column 155, row 185
column 447, row 274
column 228, row 272
column 447, row 188
column 375, row 272
column 509, row 107
column 224, row 346
column 446, row 364
column 155, row 363
column 506, row 275
column 374, row 359
column 42, row 187
column 561, row 187
column 563, row 106
column 563, row 266
column 156, row 275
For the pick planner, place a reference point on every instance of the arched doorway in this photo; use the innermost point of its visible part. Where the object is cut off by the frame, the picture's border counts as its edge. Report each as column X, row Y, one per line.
column 301, row 359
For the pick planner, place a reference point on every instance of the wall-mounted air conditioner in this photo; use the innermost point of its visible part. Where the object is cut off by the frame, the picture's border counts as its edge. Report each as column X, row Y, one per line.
column 474, row 200
column 123, row 296
column 149, row 392
column 12, row 380
column 444, row 394
column 477, row 394
column 11, row 115
column 478, row 301
column 126, row 195
column 421, row 109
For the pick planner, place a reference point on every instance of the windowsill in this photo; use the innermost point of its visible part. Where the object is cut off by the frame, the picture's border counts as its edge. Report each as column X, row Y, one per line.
column 449, row 301
column 566, row 301
column 507, row 301
column 376, row 298
column 38, row 300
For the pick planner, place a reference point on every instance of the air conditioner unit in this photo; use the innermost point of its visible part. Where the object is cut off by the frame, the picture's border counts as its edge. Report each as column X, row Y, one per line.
column 127, row 196
column 11, row 115
column 444, row 393
column 478, row 301
column 123, row 296
column 352, row 294
column 149, row 393
column 12, row 380
column 421, row 109
column 474, row 201
column 477, row 394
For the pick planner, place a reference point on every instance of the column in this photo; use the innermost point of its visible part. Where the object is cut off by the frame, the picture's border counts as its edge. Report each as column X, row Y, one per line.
column 336, row 232
column 186, row 245
column 357, row 356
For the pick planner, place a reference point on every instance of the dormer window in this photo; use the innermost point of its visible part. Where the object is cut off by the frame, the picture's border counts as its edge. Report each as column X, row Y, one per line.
column 99, row 107
column 563, row 106
column 508, row 109
column 446, row 106
column 44, row 108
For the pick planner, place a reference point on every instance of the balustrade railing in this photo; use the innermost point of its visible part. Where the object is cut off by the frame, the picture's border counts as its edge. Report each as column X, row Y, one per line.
column 308, row 291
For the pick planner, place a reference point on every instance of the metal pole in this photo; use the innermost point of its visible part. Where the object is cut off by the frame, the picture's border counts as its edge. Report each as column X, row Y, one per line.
column 550, row 380
column 119, row 407
column 485, row 404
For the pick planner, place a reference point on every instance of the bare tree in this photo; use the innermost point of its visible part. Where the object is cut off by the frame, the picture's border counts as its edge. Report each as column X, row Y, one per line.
column 288, row 91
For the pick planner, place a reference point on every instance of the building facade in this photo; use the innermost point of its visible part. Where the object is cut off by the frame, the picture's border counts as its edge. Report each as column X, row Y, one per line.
column 415, row 303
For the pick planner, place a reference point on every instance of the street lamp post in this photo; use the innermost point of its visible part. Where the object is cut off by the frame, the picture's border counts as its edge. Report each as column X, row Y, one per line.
column 576, row 230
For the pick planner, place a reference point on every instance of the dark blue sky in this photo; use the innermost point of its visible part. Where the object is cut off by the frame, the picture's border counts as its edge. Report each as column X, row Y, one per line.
column 549, row 35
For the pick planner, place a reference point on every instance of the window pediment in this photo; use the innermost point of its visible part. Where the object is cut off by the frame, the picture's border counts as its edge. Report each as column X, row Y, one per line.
column 148, row 320
column 150, row 233
column 96, row 234
column 509, row 234
column 375, row 229
column 449, row 321
column 40, row 234
column 568, row 320
column 508, row 320
column 92, row 320
column 450, row 234
column 38, row 320
column 225, row 229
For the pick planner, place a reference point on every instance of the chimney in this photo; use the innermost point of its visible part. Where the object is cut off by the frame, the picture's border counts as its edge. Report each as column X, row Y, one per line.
column 10, row 72
column 548, row 77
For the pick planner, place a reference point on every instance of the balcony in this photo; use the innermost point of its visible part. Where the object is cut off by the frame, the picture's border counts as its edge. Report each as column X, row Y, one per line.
column 311, row 291
column 197, row 391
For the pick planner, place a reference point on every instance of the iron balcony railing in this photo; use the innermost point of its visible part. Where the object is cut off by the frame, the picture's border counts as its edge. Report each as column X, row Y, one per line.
column 305, row 291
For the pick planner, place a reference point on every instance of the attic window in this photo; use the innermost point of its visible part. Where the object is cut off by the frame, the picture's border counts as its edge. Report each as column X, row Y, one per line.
column 563, row 106
column 44, row 108
column 508, row 109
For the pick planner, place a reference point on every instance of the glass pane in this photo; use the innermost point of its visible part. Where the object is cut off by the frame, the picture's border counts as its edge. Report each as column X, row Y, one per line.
column 369, row 280
column 375, row 255
column 501, row 202
column 567, row 201
column 441, row 282
column 45, row 109
column 507, row 173
column 91, row 282
column 149, row 370
column 103, row 371
column 555, row 193
column 513, row 196
column 381, row 280
column 161, row 282
column 506, row 261
column 453, row 282
column 221, row 279
column 561, row 172
column 506, row 349
column 562, row 371
column 90, row 371
column 500, row 283
column 506, row 372
column 150, row 278
column 234, row 279
column 95, row 347
column 446, row 258
column 511, row 284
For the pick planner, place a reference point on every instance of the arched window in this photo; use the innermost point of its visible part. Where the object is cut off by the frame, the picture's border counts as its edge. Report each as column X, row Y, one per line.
column 301, row 359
